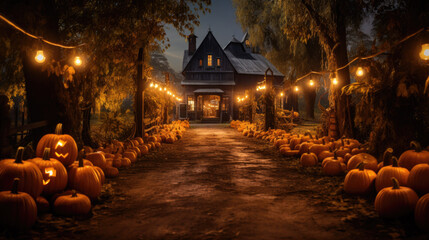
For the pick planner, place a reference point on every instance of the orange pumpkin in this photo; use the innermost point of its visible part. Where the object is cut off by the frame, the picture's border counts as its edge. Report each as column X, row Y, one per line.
column 125, row 162
column 31, row 179
column 308, row 159
column 396, row 201
column 385, row 175
column 419, row 178
column 97, row 159
column 72, row 205
column 130, row 155
column 53, row 171
column 85, row 180
column 410, row 158
column 100, row 174
column 42, row 205
column 111, row 172
column 333, row 166
column 369, row 161
column 386, row 160
column 421, row 213
column 18, row 209
column 318, row 148
column 63, row 147
column 359, row 181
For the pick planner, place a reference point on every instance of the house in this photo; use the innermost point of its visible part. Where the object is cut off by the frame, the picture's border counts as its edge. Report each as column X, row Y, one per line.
column 215, row 76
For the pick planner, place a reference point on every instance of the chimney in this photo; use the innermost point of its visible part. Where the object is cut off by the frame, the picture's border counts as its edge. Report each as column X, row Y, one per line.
column 192, row 41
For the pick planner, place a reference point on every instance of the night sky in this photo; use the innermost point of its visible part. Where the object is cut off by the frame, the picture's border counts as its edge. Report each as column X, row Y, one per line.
column 223, row 24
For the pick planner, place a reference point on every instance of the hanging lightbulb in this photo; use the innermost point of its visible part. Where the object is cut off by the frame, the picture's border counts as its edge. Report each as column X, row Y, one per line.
column 77, row 61
column 151, row 84
column 296, row 89
column 360, row 72
column 247, row 96
column 311, row 82
column 174, row 95
column 334, row 81
column 165, row 88
column 160, row 89
column 281, row 94
column 424, row 54
column 40, row 58
column 156, row 86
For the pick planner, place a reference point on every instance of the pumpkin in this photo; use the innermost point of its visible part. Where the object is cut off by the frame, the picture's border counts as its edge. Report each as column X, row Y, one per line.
column 31, row 179
column 111, row 172
column 396, row 201
column 358, row 150
column 410, row 158
column 325, row 154
column 63, row 147
column 143, row 149
column 359, row 181
column 88, row 149
column 18, row 209
column 304, row 147
column 117, row 162
column 169, row 140
column 85, row 180
column 347, row 157
column 369, row 161
column 100, row 174
column 386, row 160
column 72, row 205
column 333, row 166
column 42, row 205
column 97, row 159
column 384, row 177
column 288, row 152
column 419, row 178
column 342, row 151
column 421, row 213
column 318, row 148
column 130, row 155
column 139, row 140
column 125, row 162
column 53, row 171
column 308, row 159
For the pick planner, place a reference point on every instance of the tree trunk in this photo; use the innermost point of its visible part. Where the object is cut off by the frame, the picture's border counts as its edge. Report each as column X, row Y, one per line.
column 86, row 128
column 310, row 100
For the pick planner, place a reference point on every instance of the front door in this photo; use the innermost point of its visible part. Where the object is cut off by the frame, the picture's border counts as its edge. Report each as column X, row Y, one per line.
column 211, row 106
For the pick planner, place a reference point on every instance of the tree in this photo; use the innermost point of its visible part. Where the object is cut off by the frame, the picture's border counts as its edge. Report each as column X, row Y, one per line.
column 112, row 32
column 260, row 19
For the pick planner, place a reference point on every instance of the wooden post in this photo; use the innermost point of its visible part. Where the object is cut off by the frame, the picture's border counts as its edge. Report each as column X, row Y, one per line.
column 167, row 83
column 269, row 101
column 139, row 102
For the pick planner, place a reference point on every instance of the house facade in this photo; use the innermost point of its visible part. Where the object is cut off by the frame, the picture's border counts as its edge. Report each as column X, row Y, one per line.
column 215, row 76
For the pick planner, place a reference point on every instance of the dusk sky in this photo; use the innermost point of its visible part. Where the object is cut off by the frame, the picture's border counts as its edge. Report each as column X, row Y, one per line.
column 223, row 24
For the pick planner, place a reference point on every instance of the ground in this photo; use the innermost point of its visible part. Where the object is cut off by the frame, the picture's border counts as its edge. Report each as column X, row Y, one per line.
column 217, row 184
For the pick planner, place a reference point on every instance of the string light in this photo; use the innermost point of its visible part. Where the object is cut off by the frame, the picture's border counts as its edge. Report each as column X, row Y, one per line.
column 77, row 61
column 151, row 84
column 40, row 58
column 424, row 54
column 156, row 86
column 281, row 94
column 360, row 72
column 296, row 88
column 334, row 81
column 311, row 83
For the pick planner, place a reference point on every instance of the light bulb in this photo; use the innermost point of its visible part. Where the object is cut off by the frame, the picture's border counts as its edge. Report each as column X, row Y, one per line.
column 334, row 81
column 296, row 89
column 311, row 82
column 360, row 72
column 77, row 61
column 165, row 88
column 281, row 94
column 151, row 84
column 424, row 54
column 40, row 58
column 156, row 86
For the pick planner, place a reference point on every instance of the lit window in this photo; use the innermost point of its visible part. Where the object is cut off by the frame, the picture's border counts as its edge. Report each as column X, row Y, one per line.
column 191, row 103
column 200, row 62
column 247, row 43
column 209, row 60
column 218, row 62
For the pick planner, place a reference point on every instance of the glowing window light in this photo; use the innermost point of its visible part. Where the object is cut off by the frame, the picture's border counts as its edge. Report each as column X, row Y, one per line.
column 40, row 58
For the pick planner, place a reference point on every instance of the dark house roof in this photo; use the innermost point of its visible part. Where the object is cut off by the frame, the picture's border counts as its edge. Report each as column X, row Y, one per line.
column 244, row 62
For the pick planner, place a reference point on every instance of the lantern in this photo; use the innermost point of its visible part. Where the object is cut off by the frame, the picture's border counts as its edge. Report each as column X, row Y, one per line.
column 40, row 58
column 311, row 83
column 424, row 53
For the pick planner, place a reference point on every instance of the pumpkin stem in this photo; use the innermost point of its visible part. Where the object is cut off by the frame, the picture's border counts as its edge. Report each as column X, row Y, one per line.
column 361, row 166
column 395, row 183
column 15, row 186
column 19, row 155
column 387, row 155
column 323, row 141
column 59, row 129
column 335, row 154
column 394, row 161
column 416, row 145
column 74, row 193
column 46, row 154
column 342, row 142
column 308, row 150
column 309, row 134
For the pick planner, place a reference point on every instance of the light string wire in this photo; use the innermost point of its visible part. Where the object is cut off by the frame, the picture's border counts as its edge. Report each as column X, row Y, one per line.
column 363, row 58
column 37, row 37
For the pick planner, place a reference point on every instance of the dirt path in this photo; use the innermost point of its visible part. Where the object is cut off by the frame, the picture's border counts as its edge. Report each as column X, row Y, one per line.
column 217, row 184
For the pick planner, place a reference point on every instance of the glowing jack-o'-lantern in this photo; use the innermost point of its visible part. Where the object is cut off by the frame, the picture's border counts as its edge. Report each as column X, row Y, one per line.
column 63, row 147
column 53, row 171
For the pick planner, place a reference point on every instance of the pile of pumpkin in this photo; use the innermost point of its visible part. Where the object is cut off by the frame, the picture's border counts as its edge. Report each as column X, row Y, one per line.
column 27, row 185
column 397, row 182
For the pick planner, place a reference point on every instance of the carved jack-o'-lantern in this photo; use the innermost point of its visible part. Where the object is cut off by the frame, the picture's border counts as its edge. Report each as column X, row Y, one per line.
column 63, row 147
